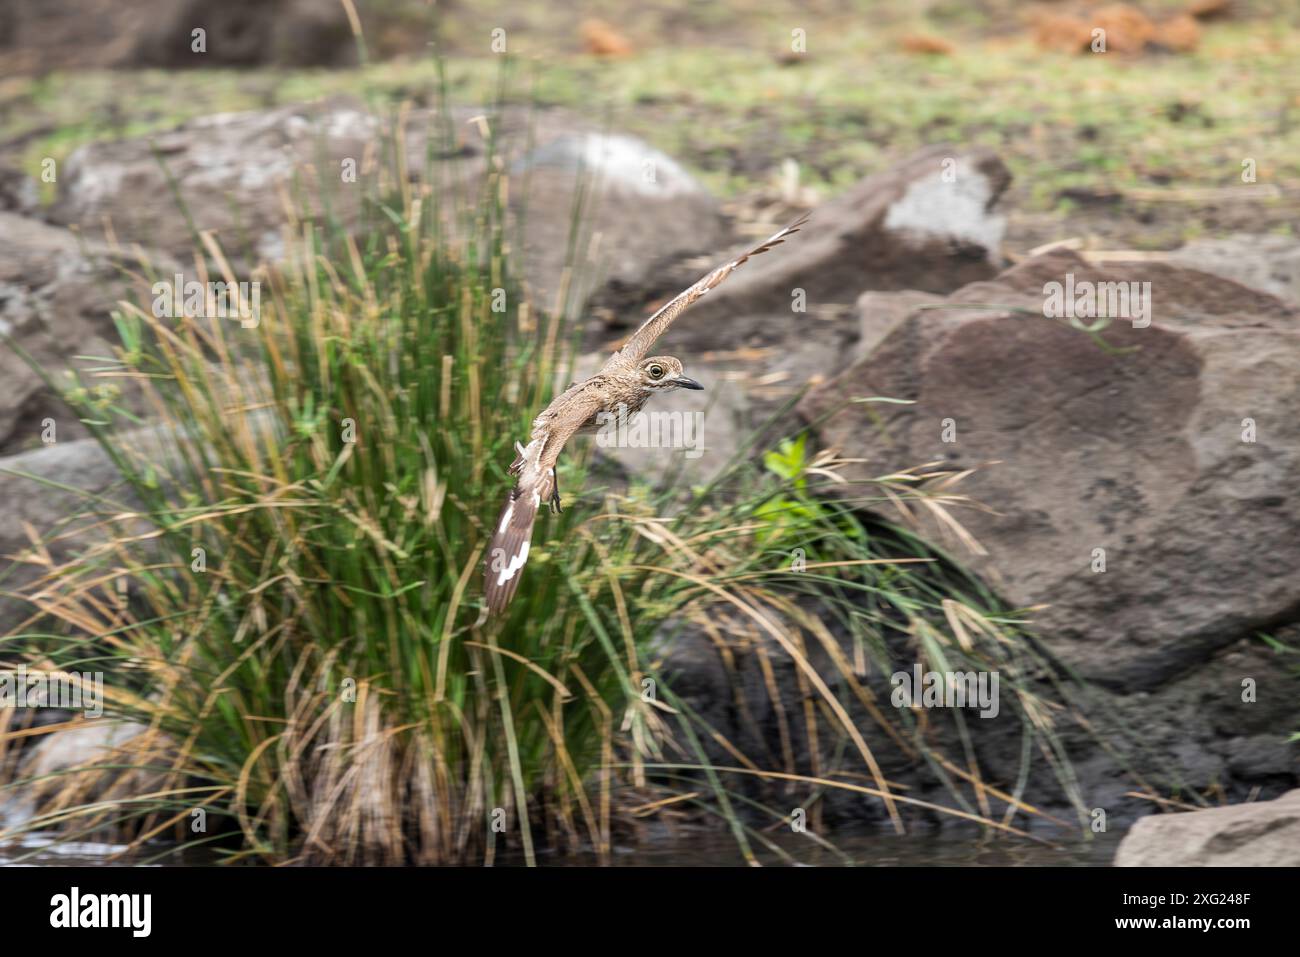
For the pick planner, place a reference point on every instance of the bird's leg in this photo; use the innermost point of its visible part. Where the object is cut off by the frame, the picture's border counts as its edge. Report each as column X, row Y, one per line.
column 555, row 494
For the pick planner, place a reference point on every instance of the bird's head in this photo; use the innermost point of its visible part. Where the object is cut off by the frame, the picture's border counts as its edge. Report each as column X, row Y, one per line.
column 663, row 374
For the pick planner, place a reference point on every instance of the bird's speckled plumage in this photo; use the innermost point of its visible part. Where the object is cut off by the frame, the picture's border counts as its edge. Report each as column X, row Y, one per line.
column 628, row 379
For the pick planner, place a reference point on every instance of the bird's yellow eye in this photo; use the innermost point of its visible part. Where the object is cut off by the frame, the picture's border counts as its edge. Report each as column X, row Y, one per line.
column 656, row 372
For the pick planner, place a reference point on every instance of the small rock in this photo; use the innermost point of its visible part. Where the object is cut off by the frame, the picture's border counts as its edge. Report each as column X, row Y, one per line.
column 1128, row 29
column 18, row 191
column 926, row 43
column 1263, row 834
column 600, row 38
column 77, row 747
column 24, row 501
column 50, row 765
column 1180, row 34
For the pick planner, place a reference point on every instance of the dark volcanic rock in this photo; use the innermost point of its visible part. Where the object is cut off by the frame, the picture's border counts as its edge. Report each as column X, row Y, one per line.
column 1167, row 742
column 1177, row 456
column 1263, row 756
column 42, row 35
column 1268, row 264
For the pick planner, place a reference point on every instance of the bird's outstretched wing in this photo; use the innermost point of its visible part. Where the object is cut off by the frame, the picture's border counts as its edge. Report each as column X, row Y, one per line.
column 638, row 346
column 535, row 467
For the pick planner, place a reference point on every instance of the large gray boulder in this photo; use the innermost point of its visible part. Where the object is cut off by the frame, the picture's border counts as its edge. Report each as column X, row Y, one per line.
column 64, row 494
column 1167, row 457
column 242, row 175
column 57, row 295
column 1263, row 834
column 640, row 210
column 238, row 175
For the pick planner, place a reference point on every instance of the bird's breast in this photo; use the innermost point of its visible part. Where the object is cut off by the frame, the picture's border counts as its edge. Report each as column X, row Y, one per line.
column 627, row 405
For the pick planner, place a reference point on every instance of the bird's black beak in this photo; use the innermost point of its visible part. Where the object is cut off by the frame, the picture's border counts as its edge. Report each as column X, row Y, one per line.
column 686, row 383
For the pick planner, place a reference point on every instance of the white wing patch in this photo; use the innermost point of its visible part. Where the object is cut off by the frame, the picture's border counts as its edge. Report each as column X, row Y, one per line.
column 512, row 569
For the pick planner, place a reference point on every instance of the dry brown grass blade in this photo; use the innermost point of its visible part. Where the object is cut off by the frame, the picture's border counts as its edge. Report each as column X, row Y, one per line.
column 889, row 796
column 792, row 650
column 513, row 656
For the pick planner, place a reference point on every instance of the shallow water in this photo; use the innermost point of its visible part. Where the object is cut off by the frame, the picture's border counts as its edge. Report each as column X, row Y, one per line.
column 37, row 850
column 704, row 849
column 868, row 850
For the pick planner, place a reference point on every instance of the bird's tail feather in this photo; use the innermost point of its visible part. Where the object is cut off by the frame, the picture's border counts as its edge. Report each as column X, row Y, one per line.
column 512, row 536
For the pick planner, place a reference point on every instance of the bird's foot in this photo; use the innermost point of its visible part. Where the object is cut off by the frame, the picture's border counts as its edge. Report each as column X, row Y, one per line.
column 518, row 464
column 555, row 502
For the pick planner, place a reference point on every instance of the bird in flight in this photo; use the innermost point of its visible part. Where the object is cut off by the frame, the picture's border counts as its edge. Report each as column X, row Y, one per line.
column 623, row 385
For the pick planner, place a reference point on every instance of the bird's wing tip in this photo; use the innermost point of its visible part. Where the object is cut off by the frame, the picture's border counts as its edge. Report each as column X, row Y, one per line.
column 779, row 236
